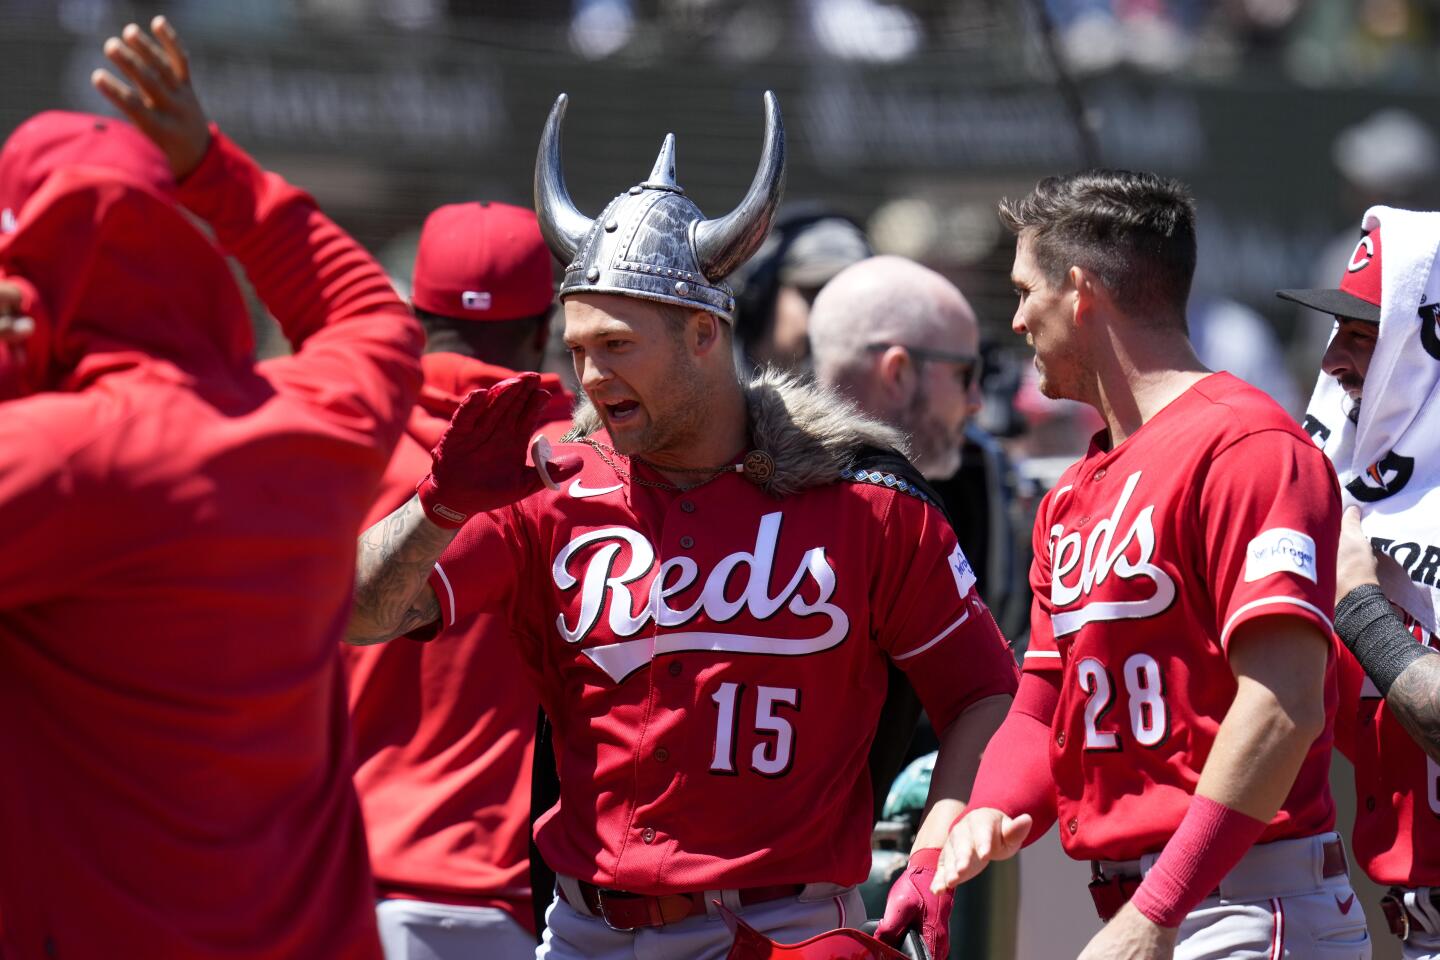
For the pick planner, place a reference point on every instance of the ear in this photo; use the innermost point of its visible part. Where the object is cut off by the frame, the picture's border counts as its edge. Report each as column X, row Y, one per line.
column 706, row 332
column 1083, row 292
column 896, row 376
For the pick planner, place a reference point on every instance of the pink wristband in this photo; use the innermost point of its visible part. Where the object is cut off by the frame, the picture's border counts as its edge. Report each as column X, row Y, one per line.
column 1209, row 842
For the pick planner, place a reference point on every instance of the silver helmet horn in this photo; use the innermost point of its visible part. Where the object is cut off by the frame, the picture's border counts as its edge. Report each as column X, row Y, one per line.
column 652, row 241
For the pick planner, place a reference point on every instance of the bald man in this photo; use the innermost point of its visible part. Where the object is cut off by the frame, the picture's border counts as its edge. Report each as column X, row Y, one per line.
column 903, row 342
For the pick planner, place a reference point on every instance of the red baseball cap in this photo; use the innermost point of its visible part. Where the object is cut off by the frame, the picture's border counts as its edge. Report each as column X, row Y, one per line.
column 1358, row 297
column 482, row 261
column 56, row 138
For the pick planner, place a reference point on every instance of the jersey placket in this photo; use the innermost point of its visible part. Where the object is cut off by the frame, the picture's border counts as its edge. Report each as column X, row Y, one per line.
column 652, row 836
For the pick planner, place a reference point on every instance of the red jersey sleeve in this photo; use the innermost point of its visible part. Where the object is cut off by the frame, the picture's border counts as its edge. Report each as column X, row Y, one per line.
column 482, row 569
column 929, row 618
column 357, row 345
column 1269, row 527
column 1042, row 653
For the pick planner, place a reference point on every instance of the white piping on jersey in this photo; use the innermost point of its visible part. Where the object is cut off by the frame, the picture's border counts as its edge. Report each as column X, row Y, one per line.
column 1042, row 654
column 619, row 660
column 938, row 637
column 1265, row 601
column 449, row 595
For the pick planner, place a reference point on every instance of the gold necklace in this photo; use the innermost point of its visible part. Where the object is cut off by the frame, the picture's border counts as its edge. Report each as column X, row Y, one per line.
column 757, row 467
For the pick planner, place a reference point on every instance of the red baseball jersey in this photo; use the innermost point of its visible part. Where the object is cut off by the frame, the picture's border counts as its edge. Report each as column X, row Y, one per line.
column 1217, row 511
column 1397, row 786
column 713, row 662
column 443, row 752
column 178, row 574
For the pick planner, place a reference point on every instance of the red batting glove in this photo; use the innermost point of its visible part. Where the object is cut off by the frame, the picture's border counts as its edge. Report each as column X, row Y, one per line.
column 479, row 464
column 912, row 905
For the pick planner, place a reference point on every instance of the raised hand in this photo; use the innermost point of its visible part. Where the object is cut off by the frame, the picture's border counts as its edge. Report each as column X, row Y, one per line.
column 479, row 464
column 982, row 835
column 159, row 98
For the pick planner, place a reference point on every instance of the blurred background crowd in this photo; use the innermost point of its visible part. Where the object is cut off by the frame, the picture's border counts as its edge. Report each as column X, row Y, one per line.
column 907, row 119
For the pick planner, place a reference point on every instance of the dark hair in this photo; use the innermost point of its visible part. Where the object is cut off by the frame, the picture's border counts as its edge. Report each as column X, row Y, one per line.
column 503, row 342
column 1135, row 231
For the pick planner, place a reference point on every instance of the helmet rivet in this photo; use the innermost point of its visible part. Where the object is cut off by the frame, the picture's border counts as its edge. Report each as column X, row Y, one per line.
column 592, row 274
column 635, row 190
column 682, row 288
column 611, row 226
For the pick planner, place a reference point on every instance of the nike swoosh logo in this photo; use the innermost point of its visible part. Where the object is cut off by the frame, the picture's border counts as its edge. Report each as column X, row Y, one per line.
column 1345, row 904
column 579, row 491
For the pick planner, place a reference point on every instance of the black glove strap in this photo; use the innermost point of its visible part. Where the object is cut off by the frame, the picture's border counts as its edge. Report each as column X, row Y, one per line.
column 1377, row 637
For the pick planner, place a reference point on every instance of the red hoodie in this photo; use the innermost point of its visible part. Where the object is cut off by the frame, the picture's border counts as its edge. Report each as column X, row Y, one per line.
column 179, row 527
column 443, row 749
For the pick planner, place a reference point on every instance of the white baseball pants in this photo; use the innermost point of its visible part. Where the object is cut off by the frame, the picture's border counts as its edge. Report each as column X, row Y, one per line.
column 1275, row 904
column 419, row 930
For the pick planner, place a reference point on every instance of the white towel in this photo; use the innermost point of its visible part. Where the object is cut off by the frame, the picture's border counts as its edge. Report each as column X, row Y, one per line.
column 1389, row 461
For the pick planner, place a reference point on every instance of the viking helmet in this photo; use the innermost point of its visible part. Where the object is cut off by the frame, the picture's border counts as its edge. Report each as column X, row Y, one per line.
column 652, row 241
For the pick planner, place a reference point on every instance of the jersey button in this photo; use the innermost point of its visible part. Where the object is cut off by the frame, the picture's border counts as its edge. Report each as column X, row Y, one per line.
column 1370, row 804
column 1060, row 739
column 675, row 668
column 1099, row 475
column 1072, row 826
column 1082, row 521
column 687, row 506
column 648, row 834
column 687, row 542
column 661, row 755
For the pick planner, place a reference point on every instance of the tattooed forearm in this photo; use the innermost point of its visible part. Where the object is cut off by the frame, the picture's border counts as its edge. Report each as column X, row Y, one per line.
column 392, row 564
column 1414, row 698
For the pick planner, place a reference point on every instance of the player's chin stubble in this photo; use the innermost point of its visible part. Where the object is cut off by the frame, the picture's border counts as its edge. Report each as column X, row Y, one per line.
column 675, row 419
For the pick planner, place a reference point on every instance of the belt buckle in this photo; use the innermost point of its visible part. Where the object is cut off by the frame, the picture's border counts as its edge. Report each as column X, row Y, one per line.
column 605, row 913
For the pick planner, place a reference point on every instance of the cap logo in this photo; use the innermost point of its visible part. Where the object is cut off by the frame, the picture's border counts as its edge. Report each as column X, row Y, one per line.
column 475, row 300
column 7, row 221
column 1357, row 260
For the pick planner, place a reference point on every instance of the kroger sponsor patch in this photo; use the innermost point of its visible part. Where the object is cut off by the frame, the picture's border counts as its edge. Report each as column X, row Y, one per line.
column 1280, row 550
column 963, row 572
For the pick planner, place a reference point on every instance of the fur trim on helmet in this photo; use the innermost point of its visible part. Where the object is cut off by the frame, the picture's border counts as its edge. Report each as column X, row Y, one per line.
column 811, row 432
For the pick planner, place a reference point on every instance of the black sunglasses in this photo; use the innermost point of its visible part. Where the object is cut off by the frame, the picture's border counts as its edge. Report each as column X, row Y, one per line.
column 968, row 363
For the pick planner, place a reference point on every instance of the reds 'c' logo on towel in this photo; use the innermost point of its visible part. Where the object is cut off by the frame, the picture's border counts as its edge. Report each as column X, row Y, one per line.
column 1429, row 332
column 1383, row 478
